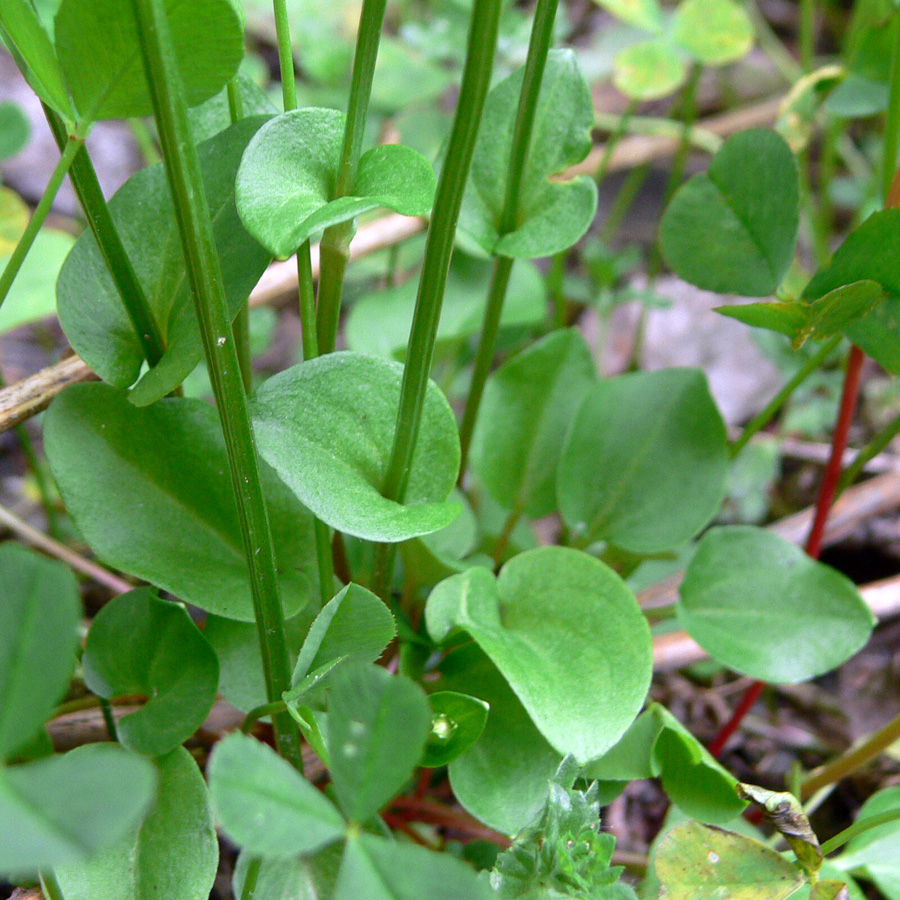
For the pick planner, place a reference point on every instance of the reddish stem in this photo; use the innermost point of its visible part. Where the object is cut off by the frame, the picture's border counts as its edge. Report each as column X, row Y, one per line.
column 830, row 479
column 423, row 810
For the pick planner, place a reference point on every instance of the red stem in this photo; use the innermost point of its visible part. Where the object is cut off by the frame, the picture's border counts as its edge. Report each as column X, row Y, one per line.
column 827, row 490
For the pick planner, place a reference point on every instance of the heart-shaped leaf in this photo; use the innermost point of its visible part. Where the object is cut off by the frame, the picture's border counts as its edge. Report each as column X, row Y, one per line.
column 732, row 229
column 139, row 644
column 287, row 178
column 378, row 869
column 38, row 636
column 649, row 70
column 24, row 34
column 100, row 52
column 760, row 605
column 713, row 32
column 174, row 852
column 170, row 518
column 645, row 461
column 327, row 427
column 528, row 405
column 549, row 607
column 265, row 805
column 867, row 255
column 380, row 323
column 697, row 862
column 354, row 626
column 553, row 215
column 90, row 308
column 65, row 809
column 502, row 779
column 377, row 726
column 457, row 721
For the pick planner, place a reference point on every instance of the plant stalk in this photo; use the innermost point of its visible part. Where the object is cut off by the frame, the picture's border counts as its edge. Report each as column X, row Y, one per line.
column 285, row 55
column 251, row 878
column 538, row 48
column 856, row 828
column 869, row 452
column 892, row 122
column 476, row 80
column 335, row 246
column 50, row 886
column 202, row 262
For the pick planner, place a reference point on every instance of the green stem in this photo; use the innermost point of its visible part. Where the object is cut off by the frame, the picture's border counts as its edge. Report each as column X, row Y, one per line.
column 255, row 714
column 50, row 886
column 73, row 145
column 509, row 526
column 538, row 48
column 335, row 245
column 235, row 101
column 807, row 34
column 771, row 44
column 99, row 219
column 660, row 613
column 858, row 828
column 628, row 123
column 490, row 328
column 251, row 878
column 892, row 124
column 144, row 140
column 630, row 188
column 759, row 421
column 285, row 55
column 612, row 141
column 202, row 263
column 476, row 80
column 870, row 451
column 555, row 276
column 109, row 721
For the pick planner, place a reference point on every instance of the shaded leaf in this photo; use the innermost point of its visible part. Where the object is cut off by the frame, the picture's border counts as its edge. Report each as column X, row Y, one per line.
column 644, row 14
column 139, row 644
column 15, row 127
column 293, row 878
column 327, row 427
column 457, row 721
column 713, row 32
column 649, row 70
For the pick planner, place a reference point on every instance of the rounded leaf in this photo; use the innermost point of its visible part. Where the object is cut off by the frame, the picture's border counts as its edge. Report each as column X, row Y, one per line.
column 457, row 721
column 645, row 461
column 39, row 616
column 139, row 644
column 287, row 180
column 759, row 605
column 649, row 70
column 174, row 852
column 713, row 32
column 732, row 229
column 100, row 52
column 556, row 622
column 169, row 518
column 327, row 427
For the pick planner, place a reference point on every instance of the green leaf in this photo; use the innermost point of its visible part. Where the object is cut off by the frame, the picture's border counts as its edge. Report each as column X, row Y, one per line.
column 378, row 869
column 100, row 52
column 761, row 606
column 457, row 721
column 644, row 14
column 377, row 726
column 547, row 608
column 645, row 461
column 33, row 294
column 38, row 636
column 90, row 308
column 174, row 852
column 875, row 854
column 287, row 179
column 354, row 626
column 713, row 32
column 169, row 519
column 553, row 215
column 214, row 115
column 15, row 127
column 25, row 35
column 528, row 405
column 867, row 254
column 64, row 809
column 649, row 70
column 265, row 805
column 732, row 229
column 139, row 644
column 380, row 323
column 293, row 878
column 830, row 889
column 327, row 427
column 502, row 779
column 697, row 862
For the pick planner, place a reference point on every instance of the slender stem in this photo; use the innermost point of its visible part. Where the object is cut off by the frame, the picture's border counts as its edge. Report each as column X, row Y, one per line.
column 870, row 451
column 490, row 328
column 99, row 219
column 509, row 526
column 858, row 828
column 538, row 48
column 307, row 302
column 699, row 138
column 285, row 55
column 335, row 245
column 892, row 123
column 438, row 249
column 855, row 758
column 807, row 34
column 202, row 262
column 255, row 714
column 144, row 140
column 235, row 101
column 251, row 878
column 771, row 44
column 50, row 886
column 660, row 613
column 615, row 136
column 630, row 188
column 109, row 721
column 752, row 694
column 759, row 421
column 8, row 276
